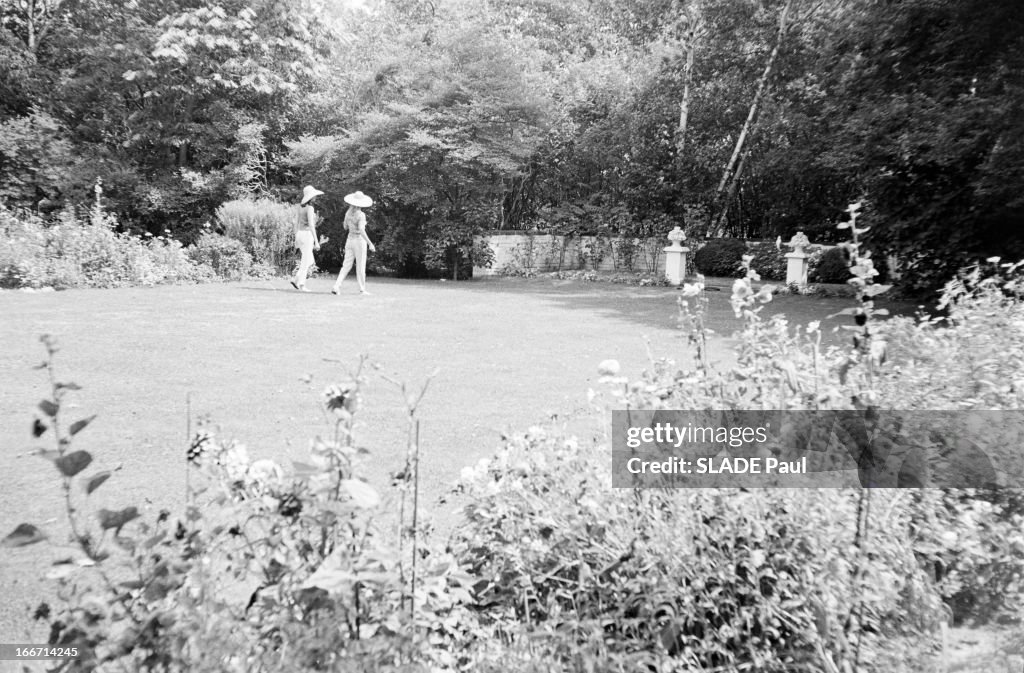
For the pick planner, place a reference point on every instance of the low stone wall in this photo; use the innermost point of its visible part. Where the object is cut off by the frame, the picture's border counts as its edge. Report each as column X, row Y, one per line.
column 539, row 253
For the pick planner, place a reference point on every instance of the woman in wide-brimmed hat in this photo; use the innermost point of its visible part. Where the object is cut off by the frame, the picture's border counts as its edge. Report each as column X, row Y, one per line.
column 358, row 241
column 305, row 235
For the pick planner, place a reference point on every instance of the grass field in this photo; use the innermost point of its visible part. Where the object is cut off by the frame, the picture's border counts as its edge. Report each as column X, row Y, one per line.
column 510, row 353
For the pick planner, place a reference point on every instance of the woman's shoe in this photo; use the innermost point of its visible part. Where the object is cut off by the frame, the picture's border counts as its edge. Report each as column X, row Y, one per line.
column 334, row 290
column 294, row 284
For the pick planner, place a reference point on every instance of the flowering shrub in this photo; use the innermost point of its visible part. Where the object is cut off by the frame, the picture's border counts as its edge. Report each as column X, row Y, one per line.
column 760, row 580
column 76, row 253
column 640, row 279
column 226, row 256
column 264, row 226
column 268, row 568
column 695, row 579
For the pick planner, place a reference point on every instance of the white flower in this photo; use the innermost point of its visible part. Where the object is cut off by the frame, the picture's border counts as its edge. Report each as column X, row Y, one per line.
column 813, row 326
column 265, row 473
column 764, row 295
column 608, row 368
column 692, row 289
column 234, row 459
column 536, row 433
column 741, row 289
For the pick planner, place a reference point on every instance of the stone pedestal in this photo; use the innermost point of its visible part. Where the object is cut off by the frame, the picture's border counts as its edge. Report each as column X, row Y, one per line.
column 675, row 257
column 675, row 264
column 796, row 260
column 796, row 268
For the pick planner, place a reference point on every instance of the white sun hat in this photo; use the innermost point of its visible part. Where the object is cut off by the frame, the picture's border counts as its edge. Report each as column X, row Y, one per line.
column 309, row 192
column 359, row 200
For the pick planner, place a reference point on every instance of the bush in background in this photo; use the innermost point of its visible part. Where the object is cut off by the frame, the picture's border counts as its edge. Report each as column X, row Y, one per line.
column 264, row 226
column 226, row 256
column 720, row 257
column 769, row 261
column 832, row 267
column 77, row 252
column 73, row 252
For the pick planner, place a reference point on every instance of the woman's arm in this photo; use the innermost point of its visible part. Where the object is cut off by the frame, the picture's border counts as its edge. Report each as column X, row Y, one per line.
column 362, row 233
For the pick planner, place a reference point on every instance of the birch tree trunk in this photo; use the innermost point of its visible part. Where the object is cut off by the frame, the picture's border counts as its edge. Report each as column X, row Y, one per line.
column 39, row 18
column 731, row 174
column 684, row 104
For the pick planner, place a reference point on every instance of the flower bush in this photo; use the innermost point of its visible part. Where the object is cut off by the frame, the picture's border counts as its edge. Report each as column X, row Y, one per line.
column 89, row 252
column 75, row 253
column 264, row 226
column 766, row 579
column 226, row 256
column 267, row 568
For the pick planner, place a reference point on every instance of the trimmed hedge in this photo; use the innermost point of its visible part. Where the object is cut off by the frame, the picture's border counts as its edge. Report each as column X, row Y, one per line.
column 833, row 267
column 720, row 257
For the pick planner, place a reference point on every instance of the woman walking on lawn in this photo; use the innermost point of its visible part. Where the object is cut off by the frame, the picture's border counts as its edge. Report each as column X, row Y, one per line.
column 355, row 246
column 305, row 235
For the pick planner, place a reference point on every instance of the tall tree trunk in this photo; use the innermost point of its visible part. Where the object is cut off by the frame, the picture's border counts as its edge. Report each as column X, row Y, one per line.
column 684, row 104
column 30, row 26
column 730, row 172
column 39, row 18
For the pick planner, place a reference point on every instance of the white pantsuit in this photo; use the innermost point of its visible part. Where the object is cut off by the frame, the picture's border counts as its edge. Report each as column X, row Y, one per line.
column 355, row 253
column 304, row 242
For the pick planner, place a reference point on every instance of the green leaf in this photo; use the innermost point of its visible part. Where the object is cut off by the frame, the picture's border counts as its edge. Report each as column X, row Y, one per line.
column 78, row 426
column 96, row 480
column 22, row 536
column 362, row 494
column 49, row 408
column 116, row 519
column 73, row 463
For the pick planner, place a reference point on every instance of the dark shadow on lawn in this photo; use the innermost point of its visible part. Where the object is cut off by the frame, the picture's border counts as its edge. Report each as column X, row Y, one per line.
column 658, row 306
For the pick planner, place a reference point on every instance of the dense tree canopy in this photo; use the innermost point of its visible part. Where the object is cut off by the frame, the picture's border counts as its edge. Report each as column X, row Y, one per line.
column 752, row 118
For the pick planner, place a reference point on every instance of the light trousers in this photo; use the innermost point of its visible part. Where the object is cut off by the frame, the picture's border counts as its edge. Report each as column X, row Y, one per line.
column 304, row 242
column 355, row 253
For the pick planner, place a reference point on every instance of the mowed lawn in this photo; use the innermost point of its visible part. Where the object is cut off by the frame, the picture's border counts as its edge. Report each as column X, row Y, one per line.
column 509, row 354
